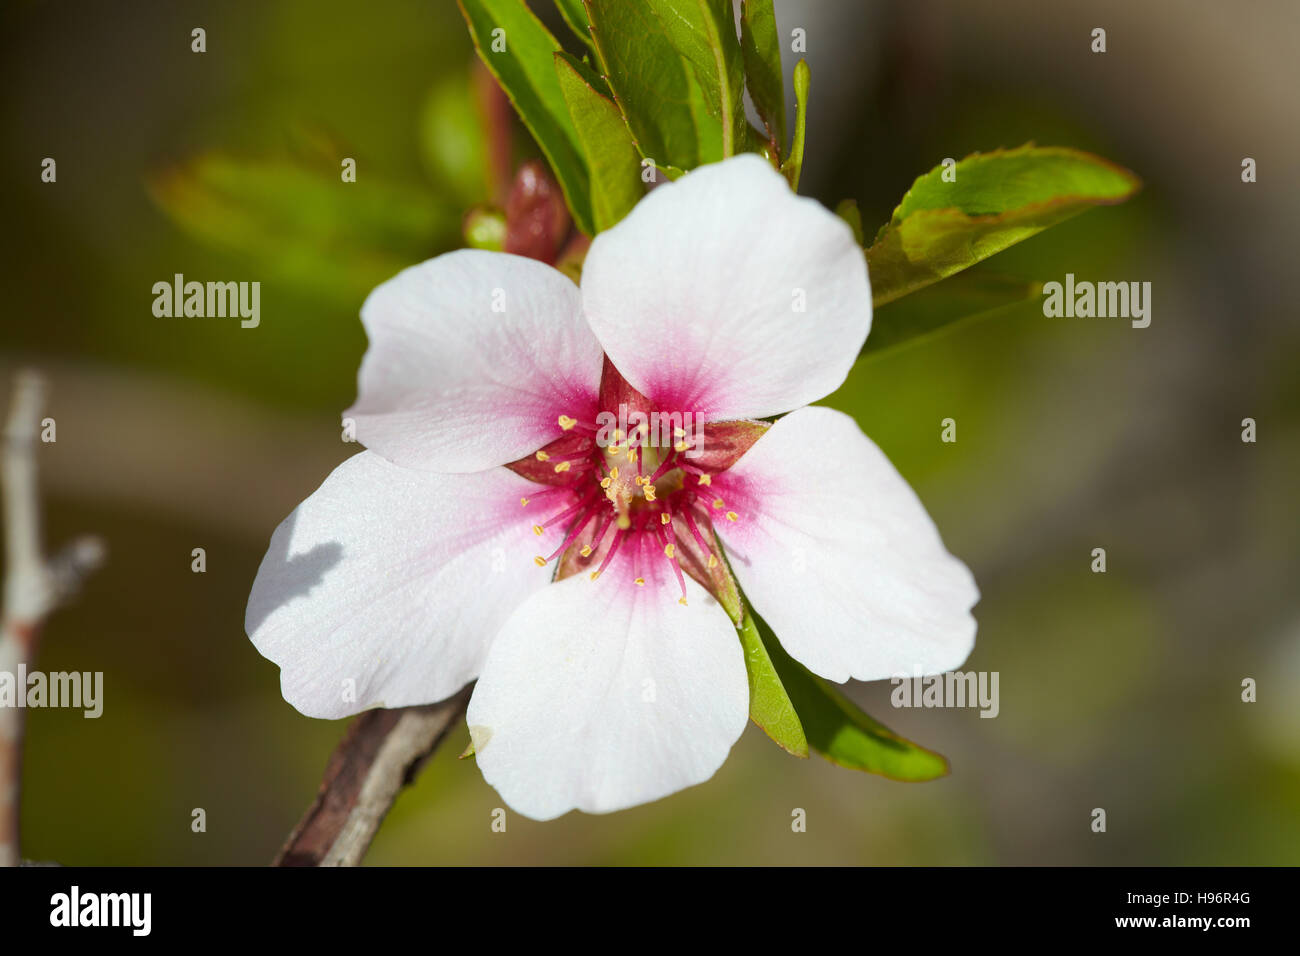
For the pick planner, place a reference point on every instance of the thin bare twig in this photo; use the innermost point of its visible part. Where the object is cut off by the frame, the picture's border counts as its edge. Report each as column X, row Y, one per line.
column 381, row 753
column 33, row 587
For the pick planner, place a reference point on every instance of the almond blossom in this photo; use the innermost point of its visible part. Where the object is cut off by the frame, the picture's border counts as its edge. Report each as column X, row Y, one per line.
column 589, row 577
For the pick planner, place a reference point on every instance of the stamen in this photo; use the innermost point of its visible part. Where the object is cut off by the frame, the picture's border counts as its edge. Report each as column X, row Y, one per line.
column 563, row 466
column 566, row 423
column 606, row 519
column 699, row 538
column 667, row 464
column 573, row 509
column 573, row 534
column 732, row 516
column 583, row 454
column 718, row 503
column 538, row 495
column 613, row 550
column 543, row 456
column 671, row 553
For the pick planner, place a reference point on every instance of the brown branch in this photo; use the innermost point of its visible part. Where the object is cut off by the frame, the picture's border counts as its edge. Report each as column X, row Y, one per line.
column 382, row 752
column 34, row 586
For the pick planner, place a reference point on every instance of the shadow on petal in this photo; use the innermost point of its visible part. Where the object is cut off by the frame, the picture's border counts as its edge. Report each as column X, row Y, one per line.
column 282, row 578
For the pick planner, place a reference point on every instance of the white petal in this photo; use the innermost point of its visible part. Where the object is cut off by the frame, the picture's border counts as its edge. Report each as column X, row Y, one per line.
column 838, row 555
column 449, row 384
column 597, row 696
column 393, row 580
column 695, row 295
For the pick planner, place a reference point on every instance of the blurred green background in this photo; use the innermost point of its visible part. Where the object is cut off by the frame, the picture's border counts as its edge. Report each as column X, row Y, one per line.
column 1119, row 690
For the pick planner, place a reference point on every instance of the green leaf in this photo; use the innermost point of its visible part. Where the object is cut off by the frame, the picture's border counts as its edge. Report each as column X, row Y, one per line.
column 838, row 730
column 704, row 33
column 996, row 200
column 708, row 127
column 793, row 165
column 969, row 296
column 575, row 16
column 769, row 704
column 334, row 239
column 761, row 46
column 525, row 68
column 849, row 212
column 651, row 82
column 612, row 159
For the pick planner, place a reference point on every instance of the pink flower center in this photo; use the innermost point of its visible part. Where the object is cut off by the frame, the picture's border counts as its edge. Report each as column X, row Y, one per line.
column 631, row 497
column 631, row 488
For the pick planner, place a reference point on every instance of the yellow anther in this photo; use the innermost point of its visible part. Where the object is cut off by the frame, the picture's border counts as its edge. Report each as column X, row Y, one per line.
column 617, row 435
column 564, row 466
column 706, row 479
column 539, row 561
column 613, row 473
column 681, row 446
column 631, row 454
column 543, row 456
column 679, row 431
column 537, row 530
column 586, row 551
column 682, row 601
column 605, row 482
column 640, row 582
column 665, row 518
column 623, row 522
column 566, row 422
column 732, row 516
column 669, row 551
column 594, row 575
column 640, row 480
column 713, row 562
column 523, row 502
column 717, row 502
column 649, row 492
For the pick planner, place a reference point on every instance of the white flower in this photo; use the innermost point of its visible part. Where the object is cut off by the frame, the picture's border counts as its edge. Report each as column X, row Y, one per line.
column 414, row 569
